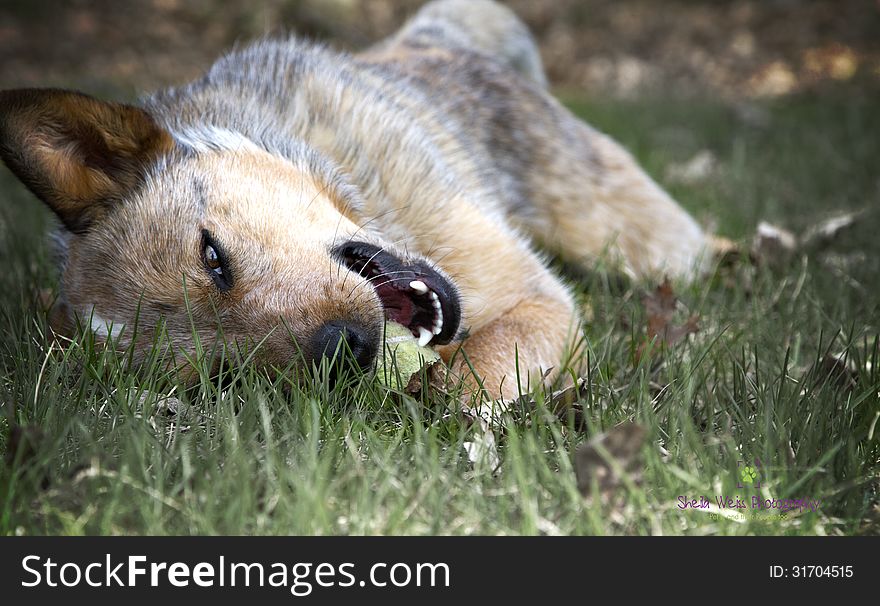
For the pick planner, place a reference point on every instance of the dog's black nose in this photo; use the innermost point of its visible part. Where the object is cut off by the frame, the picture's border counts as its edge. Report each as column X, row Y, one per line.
column 358, row 345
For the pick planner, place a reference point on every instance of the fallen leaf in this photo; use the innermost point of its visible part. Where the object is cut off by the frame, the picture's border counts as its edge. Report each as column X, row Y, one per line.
column 660, row 307
column 773, row 246
column 414, row 385
column 607, row 458
column 826, row 232
column 483, row 451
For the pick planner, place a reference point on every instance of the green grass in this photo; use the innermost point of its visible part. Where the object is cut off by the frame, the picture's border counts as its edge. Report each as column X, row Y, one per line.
column 254, row 459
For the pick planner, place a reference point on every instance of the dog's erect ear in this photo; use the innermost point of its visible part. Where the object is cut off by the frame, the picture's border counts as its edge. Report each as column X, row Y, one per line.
column 76, row 153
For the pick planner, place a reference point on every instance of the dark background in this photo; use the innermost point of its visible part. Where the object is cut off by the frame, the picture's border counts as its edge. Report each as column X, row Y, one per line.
column 732, row 49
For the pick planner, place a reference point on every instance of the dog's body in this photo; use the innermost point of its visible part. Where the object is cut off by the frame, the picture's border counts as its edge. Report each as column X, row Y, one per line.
column 295, row 195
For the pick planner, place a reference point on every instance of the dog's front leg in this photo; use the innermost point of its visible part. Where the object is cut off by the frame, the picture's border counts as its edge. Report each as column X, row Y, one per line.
column 517, row 351
column 519, row 319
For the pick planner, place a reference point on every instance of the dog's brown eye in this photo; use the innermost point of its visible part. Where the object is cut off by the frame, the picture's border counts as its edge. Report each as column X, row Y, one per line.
column 212, row 260
column 215, row 262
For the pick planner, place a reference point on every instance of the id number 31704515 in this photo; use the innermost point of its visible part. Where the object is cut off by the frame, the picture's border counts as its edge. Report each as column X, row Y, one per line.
column 807, row 571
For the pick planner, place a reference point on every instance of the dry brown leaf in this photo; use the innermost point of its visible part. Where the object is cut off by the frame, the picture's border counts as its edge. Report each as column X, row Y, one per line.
column 433, row 370
column 660, row 308
column 606, row 458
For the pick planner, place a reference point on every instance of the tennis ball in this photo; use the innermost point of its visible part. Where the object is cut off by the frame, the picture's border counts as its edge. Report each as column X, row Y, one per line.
column 402, row 357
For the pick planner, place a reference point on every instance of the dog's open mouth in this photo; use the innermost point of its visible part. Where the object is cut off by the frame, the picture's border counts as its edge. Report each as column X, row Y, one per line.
column 413, row 295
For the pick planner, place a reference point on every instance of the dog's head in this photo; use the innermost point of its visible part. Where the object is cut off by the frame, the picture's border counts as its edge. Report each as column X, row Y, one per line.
column 212, row 236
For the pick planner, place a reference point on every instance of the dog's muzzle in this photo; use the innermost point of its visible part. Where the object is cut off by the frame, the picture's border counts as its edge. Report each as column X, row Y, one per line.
column 412, row 294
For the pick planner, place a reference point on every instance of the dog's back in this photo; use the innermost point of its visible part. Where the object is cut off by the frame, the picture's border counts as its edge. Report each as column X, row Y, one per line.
column 570, row 187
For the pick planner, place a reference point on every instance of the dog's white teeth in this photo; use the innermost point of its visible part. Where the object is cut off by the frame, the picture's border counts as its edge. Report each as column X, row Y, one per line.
column 425, row 336
column 437, row 325
column 419, row 286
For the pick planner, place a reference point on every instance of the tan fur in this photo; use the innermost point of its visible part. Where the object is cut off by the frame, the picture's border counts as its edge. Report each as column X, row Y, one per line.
column 631, row 218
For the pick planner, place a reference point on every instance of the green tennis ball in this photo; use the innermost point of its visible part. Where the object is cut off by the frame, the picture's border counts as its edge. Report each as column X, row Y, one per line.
column 402, row 357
